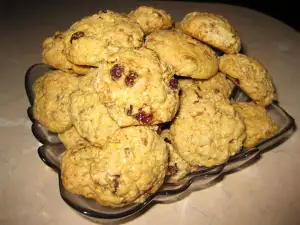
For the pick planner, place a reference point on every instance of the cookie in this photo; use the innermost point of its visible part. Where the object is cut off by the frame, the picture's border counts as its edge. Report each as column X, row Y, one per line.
column 218, row 83
column 92, row 39
column 177, row 166
column 70, row 138
column 75, row 170
column 137, row 88
column 53, row 55
column 151, row 19
column 90, row 117
column 207, row 129
column 187, row 56
column 133, row 166
column 250, row 75
column 213, row 30
column 51, row 102
column 259, row 125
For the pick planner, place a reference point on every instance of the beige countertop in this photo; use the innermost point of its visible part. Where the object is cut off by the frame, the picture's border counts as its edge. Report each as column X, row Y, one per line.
column 265, row 193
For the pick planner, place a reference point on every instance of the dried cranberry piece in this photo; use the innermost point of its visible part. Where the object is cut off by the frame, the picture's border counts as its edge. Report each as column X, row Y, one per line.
column 116, row 72
column 143, row 116
column 76, row 36
column 168, row 140
column 173, row 83
column 130, row 78
column 172, row 170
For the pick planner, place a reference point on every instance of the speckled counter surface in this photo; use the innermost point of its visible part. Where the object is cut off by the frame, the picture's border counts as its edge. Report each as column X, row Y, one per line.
column 264, row 193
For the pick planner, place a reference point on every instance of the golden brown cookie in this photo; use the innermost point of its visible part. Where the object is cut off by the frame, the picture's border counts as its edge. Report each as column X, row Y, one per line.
column 259, row 124
column 132, row 167
column 51, row 102
column 75, row 170
column 70, row 138
column 92, row 39
column 151, row 19
column 177, row 166
column 207, row 129
column 137, row 88
column 250, row 75
column 53, row 55
column 90, row 117
column 213, row 30
column 218, row 83
column 185, row 55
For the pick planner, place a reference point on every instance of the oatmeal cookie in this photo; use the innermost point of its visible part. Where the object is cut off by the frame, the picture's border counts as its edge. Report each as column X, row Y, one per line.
column 51, row 102
column 53, row 55
column 75, row 170
column 218, row 83
column 259, row 125
column 250, row 75
column 151, row 19
column 213, row 30
column 71, row 138
column 207, row 129
column 187, row 56
column 90, row 117
column 92, row 39
column 177, row 166
column 137, row 88
column 133, row 166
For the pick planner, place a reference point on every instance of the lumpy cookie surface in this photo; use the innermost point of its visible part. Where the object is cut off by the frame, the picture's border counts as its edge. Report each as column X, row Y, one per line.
column 133, row 166
column 70, row 138
column 75, row 170
column 212, row 29
column 90, row 117
column 51, row 102
column 207, row 129
column 177, row 166
column 92, row 39
column 137, row 88
column 54, row 55
column 259, row 125
column 250, row 75
column 151, row 19
column 188, row 57
column 218, row 83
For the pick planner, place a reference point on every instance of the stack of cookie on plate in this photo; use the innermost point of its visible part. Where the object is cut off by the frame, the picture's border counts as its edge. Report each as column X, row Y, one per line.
column 137, row 98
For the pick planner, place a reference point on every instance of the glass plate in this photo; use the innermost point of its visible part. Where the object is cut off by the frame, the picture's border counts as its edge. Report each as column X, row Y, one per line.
column 52, row 150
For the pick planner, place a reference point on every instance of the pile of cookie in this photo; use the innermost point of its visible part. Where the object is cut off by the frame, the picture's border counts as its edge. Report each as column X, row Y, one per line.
column 136, row 98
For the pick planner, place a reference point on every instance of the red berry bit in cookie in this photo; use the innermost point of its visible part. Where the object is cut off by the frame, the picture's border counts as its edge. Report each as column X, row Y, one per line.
column 130, row 78
column 144, row 117
column 116, row 72
column 173, row 83
column 76, row 36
